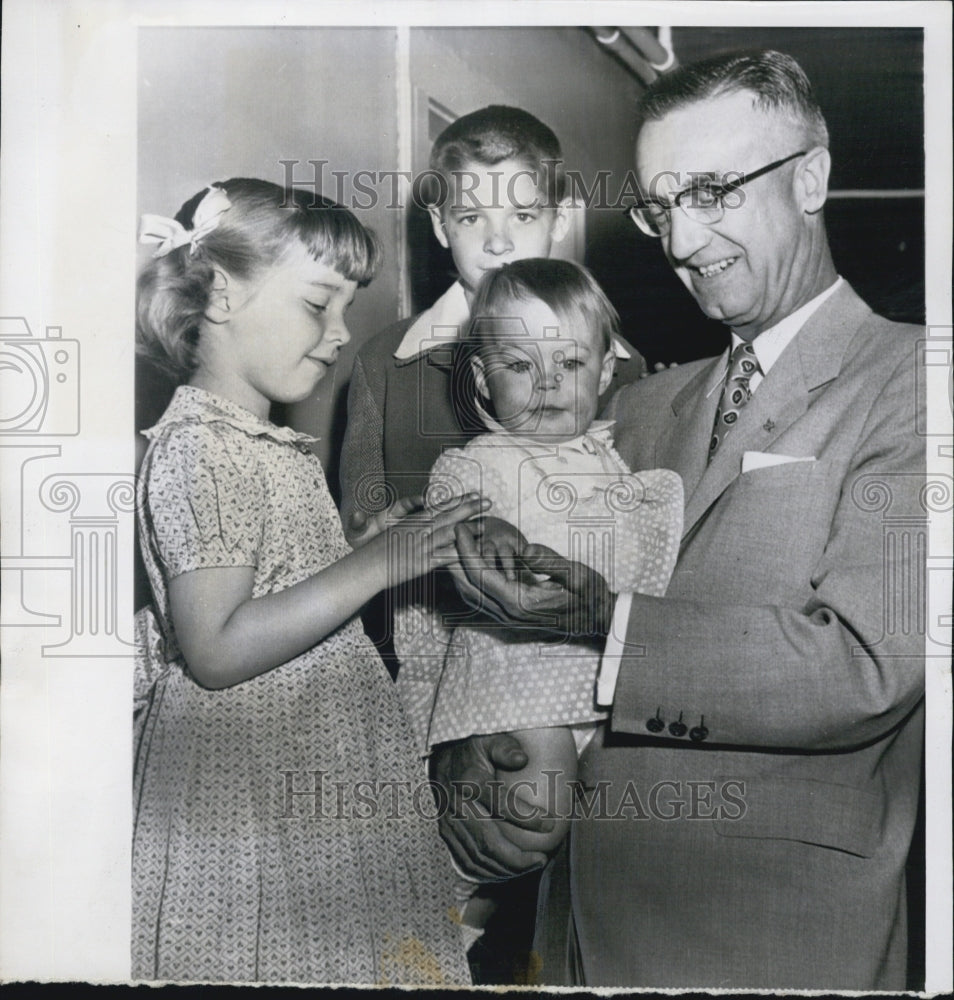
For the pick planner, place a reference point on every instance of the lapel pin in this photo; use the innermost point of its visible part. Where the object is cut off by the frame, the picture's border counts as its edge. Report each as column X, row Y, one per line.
column 768, row 426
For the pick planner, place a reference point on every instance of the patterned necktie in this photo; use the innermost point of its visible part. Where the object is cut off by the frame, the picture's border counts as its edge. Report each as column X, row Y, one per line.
column 743, row 364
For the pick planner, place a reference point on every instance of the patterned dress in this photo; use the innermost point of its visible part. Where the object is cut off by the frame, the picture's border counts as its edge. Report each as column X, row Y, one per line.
column 283, row 827
column 578, row 498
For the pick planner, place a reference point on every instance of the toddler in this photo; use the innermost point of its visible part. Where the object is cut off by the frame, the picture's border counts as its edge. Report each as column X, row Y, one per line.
column 501, row 197
column 541, row 354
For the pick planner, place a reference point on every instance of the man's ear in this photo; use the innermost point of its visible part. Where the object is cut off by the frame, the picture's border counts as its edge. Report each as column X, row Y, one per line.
column 606, row 372
column 219, row 308
column 437, row 224
column 561, row 222
column 811, row 179
column 480, row 375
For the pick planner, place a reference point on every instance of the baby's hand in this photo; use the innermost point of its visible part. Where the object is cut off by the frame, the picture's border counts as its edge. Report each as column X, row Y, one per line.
column 419, row 540
column 500, row 543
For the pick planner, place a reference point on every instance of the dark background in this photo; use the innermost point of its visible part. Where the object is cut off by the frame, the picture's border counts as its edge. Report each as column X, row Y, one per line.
column 869, row 83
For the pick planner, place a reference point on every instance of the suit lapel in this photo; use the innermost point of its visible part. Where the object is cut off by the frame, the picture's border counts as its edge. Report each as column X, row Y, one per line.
column 780, row 400
column 684, row 444
column 813, row 358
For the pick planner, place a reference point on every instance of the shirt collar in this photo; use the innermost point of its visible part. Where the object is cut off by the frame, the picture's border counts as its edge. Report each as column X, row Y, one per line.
column 770, row 343
column 442, row 322
column 446, row 322
column 190, row 404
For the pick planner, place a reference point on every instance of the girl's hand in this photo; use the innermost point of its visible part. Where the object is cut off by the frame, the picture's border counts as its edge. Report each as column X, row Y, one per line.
column 362, row 527
column 227, row 636
column 418, row 540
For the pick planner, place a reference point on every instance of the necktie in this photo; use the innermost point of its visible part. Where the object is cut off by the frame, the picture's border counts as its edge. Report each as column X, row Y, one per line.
column 743, row 364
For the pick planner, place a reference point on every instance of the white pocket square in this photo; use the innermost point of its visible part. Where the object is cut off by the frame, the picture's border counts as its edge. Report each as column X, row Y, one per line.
column 764, row 459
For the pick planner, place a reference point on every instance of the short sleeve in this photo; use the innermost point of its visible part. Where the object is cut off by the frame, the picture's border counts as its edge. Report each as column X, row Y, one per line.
column 204, row 500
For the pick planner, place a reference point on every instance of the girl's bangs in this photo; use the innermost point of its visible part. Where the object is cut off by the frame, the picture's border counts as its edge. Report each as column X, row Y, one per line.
column 333, row 236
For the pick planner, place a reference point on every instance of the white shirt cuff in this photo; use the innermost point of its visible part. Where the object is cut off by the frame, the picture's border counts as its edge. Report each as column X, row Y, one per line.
column 613, row 651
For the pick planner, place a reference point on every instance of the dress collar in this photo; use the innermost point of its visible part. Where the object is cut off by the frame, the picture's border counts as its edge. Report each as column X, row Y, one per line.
column 190, row 404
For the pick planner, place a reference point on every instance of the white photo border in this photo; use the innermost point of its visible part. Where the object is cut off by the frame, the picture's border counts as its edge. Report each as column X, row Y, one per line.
column 68, row 218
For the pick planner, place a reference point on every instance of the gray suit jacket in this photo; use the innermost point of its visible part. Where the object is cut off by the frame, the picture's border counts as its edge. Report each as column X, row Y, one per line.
column 758, row 837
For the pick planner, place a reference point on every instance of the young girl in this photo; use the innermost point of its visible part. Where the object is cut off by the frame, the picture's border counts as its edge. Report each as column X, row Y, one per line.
column 541, row 355
column 280, row 833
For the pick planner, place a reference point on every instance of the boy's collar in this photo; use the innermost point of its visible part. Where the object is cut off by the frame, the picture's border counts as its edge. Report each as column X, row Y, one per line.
column 442, row 323
column 445, row 322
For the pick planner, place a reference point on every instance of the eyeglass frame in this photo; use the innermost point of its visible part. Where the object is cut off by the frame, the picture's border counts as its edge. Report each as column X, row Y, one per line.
column 718, row 191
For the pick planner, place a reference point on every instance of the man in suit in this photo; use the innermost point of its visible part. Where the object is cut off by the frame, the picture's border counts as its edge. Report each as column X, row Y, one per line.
column 745, row 819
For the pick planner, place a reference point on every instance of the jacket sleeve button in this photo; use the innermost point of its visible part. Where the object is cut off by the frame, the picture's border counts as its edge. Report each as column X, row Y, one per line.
column 655, row 724
column 698, row 733
column 678, row 728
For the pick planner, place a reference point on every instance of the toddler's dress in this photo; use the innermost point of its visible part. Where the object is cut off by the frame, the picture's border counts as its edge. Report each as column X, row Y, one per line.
column 579, row 498
column 282, row 830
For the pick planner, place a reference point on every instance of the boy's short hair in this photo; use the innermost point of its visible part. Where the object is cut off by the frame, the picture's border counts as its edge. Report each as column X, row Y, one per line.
column 497, row 133
column 567, row 288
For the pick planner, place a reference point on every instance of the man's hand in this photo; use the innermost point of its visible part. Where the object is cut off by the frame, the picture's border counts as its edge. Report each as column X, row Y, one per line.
column 491, row 576
column 570, row 599
column 590, row 602
column 474, row 824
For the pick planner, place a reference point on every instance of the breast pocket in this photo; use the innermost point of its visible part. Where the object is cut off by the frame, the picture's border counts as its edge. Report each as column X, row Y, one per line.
column 789, row 475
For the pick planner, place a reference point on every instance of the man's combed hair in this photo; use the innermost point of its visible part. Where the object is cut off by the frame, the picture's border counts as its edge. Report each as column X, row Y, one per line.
column 775, row 79
column 497, row 133
column 263, row 224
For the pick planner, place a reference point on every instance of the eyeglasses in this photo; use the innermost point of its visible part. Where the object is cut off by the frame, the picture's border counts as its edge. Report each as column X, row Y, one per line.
column 702, row 202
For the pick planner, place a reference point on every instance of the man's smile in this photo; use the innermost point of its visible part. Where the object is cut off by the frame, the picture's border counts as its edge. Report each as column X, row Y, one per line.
column 715, row 268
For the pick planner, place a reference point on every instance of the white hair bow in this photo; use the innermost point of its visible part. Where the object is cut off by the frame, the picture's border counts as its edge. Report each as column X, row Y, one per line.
column 169, row 234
